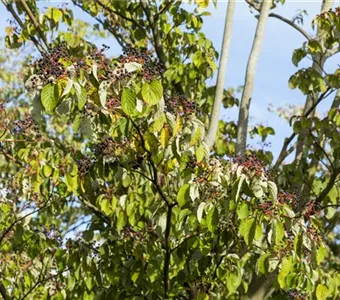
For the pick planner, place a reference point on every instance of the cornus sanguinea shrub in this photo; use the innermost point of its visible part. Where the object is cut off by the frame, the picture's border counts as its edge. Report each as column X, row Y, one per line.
column 109, row 189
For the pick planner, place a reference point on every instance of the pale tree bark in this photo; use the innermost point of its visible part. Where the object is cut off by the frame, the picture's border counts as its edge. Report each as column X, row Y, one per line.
column 215, row 114
column 242, row 126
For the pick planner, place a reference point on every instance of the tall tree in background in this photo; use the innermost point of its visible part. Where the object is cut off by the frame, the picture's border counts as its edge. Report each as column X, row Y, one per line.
column 110, row 187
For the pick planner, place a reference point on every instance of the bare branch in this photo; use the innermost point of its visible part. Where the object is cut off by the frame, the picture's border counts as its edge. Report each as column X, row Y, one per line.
column 291, row 23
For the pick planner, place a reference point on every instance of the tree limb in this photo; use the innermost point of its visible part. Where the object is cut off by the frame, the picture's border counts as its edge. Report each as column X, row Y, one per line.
column 329, row 186
column 291, row 23
column 215, row 114
column 242, row 125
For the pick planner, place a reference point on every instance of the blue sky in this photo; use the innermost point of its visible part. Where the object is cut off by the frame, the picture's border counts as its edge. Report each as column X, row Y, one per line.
column 274, row 66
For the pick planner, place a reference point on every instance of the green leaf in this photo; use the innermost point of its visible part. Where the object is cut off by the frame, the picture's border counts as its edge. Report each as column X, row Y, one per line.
column 212, row 219
column 247, row 230
column 243, row 210
column 263, row 263
column 200, row 210
column 298, row 244
column 183, row 195
column 102, row 92
column 76, row 123
column 49, row 97
column 82, row 97
column 128, row 101
column 321, row 254
column 298, row 55
column 322, row 292
column 286, row 266
column 47, row 170
column 233, row 282
column 152, row 92
column 279, row 232
column 200, row 153
column 238, row 186
column 272, row 190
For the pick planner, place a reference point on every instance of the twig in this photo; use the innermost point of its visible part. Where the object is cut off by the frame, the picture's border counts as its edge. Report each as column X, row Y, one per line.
column 291, row 23
column 17, row 221
column 42, row 281
column 287, row 21
column 21, row 24
column 3, row 292
column 115, row 12
column 34, row 21
column 329, row 186
column 284, row 152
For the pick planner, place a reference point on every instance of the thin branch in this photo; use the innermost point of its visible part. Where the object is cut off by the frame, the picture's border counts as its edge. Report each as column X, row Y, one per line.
column 3, row 292
column 284, row 153
column 291, row 23
column 329, row 186
column 285, row 20
column 10, row 8
column 97, row 212
column 10, row 227
column 329, row 205
column 42, row 281
column 243, row 117
column 154, row 30
column 163, row 9
column 154, row 180
column 34, row 21
column 322, row 150
column 115, row 12
column 167, row 255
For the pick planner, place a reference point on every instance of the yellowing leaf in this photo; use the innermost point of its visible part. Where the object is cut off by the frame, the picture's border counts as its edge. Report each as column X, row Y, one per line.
column 321, row 292
column 164, row 137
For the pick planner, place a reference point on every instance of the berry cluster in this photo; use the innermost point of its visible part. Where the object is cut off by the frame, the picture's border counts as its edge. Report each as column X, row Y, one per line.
column 112, row 103
column 267, row 207
column 297, row 295
column 287, row 198
column 311, row 208
column 108, row 147
column 84, row 164
column 2, row 106
column 179, row 104
column 50, row 64
column 252, row 166
column 210, row 192
column 150, row 68
column 26, row 126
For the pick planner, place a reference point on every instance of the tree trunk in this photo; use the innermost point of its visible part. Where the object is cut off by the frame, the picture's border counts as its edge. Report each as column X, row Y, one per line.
column 215, row 114
column 243, row 118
